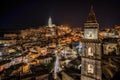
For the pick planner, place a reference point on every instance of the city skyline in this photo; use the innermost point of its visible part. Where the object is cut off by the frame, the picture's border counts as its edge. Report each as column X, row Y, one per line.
column 61, row 52
column 22, row 14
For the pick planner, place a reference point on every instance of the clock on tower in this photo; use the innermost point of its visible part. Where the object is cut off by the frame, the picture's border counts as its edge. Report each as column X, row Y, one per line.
column 91, row 33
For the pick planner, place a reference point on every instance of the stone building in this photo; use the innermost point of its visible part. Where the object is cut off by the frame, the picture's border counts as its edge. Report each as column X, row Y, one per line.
column 111, row 46
column 92, row 50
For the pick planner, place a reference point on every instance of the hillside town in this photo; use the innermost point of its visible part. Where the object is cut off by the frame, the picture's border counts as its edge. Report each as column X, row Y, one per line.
column 54, row 52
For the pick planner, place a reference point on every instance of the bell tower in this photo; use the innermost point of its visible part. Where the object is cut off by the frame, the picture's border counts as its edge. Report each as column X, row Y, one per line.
column 91, row 52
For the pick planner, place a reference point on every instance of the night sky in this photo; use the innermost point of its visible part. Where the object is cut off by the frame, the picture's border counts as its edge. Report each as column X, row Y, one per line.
column 21, row 14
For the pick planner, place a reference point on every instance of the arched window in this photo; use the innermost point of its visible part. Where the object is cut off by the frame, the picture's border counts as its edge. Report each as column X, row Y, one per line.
column 90, row 51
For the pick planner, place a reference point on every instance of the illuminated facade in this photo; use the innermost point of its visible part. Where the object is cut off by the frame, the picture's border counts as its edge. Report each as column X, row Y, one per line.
column 91, row 53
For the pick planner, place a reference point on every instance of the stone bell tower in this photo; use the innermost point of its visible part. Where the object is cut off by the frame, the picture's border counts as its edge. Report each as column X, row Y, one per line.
column 91, row 52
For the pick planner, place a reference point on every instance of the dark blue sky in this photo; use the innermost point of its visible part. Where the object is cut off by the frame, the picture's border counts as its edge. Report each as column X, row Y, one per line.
column 20, row 14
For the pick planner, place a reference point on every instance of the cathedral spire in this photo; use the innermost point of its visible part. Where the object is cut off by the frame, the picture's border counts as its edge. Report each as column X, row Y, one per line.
column 91, row 16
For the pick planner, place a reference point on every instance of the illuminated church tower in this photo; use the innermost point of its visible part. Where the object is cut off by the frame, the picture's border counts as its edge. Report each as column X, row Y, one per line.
column 91, row 52
column 51, row 28
column 50, row 22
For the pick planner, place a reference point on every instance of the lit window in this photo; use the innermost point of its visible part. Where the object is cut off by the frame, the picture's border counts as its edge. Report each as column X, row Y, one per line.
column 90, row 68
column 90, row 52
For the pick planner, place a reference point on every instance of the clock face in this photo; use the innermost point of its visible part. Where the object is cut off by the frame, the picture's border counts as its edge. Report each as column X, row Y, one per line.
column 91, row 34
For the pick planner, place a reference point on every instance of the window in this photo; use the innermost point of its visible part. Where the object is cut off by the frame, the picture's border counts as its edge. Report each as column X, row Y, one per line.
column 90, row 52
column 90, row 68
